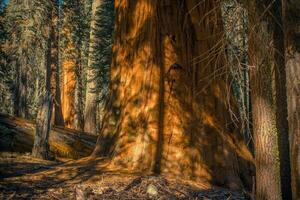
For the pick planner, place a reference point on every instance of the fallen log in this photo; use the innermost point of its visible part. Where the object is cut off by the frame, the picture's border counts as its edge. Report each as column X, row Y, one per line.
column 17, row 135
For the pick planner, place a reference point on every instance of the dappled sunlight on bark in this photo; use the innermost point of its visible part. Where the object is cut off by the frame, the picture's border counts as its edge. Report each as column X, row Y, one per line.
column 165, row 115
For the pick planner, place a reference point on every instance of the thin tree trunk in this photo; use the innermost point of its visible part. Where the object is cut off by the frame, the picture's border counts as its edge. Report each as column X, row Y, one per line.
column 90, row 114
column 78, row 119
column 261, row 55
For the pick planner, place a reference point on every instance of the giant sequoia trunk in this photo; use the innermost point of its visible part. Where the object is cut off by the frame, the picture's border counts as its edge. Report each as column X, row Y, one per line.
column 293, row 89
column 261, row 55
column 169, row 110
column 90, row 113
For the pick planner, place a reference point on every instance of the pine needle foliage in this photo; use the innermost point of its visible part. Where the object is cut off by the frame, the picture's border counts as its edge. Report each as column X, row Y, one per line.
column 102, row 54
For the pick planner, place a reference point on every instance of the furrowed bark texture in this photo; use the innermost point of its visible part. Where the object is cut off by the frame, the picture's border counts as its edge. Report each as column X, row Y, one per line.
column 262, row 61
column 168, row 108
column 41, row 140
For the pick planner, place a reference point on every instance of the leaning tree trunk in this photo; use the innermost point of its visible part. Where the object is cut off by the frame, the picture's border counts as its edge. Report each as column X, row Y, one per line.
column 261, row 55
column 90, row 111
column 43, row 121
column 168, row 111
column 293, row 89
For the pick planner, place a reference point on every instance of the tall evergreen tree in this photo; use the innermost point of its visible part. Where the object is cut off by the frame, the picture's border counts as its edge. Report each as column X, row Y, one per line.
column 43, row 121
column 6, row 72
column 100, row 51
column 73, row 47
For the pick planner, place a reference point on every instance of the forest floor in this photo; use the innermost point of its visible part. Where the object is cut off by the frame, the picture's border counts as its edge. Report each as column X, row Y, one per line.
column 23, row 177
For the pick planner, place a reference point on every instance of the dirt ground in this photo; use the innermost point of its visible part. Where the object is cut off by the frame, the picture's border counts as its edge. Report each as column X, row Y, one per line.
column 22, row 177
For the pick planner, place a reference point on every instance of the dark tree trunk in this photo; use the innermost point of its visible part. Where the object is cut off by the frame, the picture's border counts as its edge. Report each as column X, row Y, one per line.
column 21, row 90
column 292, row 17
column 281, row 101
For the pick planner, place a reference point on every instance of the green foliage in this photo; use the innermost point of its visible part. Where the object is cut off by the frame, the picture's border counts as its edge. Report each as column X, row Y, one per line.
column 5, row 71
column 102, row 55
column 27, row 24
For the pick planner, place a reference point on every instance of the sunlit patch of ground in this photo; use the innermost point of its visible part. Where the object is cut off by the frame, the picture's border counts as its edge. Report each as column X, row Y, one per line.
column 23, row 177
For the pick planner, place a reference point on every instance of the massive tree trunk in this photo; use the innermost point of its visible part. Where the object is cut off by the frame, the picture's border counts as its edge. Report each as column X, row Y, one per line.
column 261, row 55
column 293, row 89
column 90, row 112
column 169, row 111
column 41, row 145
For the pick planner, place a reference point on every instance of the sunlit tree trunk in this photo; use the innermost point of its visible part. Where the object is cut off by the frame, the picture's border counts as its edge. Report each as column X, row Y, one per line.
column 165, row 115
column 68, row 72
column 90, row 111
column 293, row 88
column 261, row 55
column 68, row 88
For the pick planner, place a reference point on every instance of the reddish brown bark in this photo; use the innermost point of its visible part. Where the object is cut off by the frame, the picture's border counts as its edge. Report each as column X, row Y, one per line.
column 168, row 107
